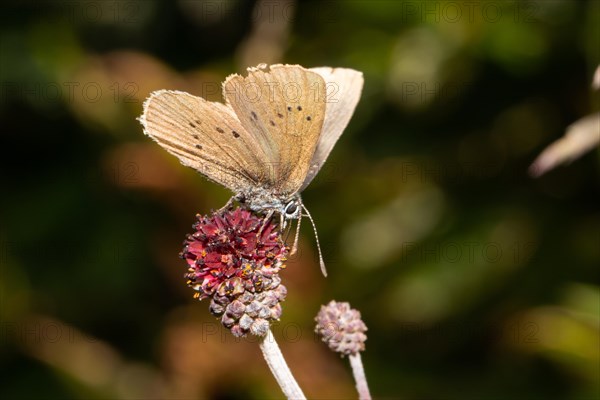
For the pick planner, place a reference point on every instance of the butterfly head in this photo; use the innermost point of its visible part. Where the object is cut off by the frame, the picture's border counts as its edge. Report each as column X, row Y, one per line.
column 291, row 210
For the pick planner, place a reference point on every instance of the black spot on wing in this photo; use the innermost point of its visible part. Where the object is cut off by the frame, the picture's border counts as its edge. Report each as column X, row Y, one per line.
column 235, row 134
column 254, row 115
column 199, row 147
column 299, row 108
column 272, row 123
column 220, row 130
column 308, row 118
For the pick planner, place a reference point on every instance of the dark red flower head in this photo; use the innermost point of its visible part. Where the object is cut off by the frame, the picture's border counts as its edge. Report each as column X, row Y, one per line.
column 232, row 244
column 234, row 258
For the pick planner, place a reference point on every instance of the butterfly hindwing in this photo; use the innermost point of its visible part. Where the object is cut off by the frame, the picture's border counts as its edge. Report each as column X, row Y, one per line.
column 343, row 87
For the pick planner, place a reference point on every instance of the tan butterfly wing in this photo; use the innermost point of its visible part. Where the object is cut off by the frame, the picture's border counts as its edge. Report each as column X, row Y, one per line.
column 283, row 107
column 343, row 87
column 204, row 135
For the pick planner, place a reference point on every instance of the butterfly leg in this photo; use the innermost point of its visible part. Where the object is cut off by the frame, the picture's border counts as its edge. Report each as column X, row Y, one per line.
column 227, row 205
column 265, row 220
column 297, row 236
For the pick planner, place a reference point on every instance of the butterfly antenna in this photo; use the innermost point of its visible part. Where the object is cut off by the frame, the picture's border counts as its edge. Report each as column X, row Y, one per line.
column 297, row 236
column 321, row 262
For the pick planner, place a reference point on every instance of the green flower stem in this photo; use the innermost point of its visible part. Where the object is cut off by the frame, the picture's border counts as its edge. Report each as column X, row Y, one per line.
column 279, row 368
column 359, row 377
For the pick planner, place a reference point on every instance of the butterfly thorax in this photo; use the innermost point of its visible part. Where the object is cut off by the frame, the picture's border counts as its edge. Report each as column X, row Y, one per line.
column 261, row 200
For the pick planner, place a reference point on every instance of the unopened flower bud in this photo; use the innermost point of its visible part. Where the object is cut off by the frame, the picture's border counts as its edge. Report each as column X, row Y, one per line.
column 341, row 328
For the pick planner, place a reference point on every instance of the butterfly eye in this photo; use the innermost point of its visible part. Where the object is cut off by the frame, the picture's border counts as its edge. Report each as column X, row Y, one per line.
column 291, row 208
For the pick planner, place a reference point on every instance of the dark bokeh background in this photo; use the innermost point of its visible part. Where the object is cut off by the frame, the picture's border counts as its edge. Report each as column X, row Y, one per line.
column 476, row 281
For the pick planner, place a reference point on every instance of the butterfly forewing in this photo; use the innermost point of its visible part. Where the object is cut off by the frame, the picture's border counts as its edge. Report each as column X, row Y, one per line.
column 343, row 87
column 204, row 135
column 283, row 108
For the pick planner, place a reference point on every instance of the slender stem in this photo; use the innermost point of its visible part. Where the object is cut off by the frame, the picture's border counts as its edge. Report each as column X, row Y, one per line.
column 359, row 377
column 279, row 368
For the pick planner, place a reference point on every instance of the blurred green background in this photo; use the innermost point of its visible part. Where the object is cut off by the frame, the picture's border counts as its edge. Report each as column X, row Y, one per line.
column 476, row 281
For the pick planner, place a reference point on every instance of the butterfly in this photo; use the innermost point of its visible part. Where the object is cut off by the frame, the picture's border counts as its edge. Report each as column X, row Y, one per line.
column 270, row 138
